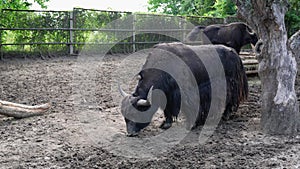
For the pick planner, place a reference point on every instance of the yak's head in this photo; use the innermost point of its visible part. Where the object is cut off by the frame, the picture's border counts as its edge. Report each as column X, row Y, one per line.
column 139, row 107
column 250, row 36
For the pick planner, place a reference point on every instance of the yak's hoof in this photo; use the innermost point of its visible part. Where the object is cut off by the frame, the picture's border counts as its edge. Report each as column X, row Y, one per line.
column 165, row 125
column 132, row 135
column 226, row 117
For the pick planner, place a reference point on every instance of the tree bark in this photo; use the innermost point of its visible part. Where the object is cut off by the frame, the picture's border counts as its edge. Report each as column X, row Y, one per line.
column 277, row 65
column 294, row 43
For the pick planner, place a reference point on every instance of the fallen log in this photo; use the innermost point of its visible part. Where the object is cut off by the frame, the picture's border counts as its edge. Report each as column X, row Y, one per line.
column 22, row 111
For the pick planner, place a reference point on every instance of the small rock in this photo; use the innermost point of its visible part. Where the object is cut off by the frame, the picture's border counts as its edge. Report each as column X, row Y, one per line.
column 38, row 140
column 47, row 158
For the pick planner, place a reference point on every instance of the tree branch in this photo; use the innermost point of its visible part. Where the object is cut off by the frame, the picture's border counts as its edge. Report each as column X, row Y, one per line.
column 21, row 111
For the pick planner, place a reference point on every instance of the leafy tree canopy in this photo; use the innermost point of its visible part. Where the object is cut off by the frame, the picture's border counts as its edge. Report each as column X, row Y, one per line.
column 292, row 17
column 20, row 4
column 216, row 8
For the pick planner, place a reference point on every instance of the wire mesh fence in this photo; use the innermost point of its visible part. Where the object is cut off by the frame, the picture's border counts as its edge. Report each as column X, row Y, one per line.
column 47, row 33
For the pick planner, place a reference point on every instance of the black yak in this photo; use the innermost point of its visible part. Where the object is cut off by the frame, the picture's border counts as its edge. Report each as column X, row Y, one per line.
column 234, row 35
column 139, row 107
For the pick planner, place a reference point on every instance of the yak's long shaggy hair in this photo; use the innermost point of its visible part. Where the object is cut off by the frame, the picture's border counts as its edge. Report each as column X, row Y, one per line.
column 236, row 80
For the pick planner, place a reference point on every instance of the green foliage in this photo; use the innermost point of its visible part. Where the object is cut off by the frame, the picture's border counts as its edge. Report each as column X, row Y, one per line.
column 86, row 34
column 30, row 19
column 216, row 8
column 6, row 19
column 219, row 8
column 94, row 19
column 20, row 4
column 83, row 19
column 178, row 7
column 222, row 8
column 292, row 17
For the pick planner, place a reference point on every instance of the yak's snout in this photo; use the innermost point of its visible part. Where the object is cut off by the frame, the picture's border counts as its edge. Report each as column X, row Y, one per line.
column 133, row 128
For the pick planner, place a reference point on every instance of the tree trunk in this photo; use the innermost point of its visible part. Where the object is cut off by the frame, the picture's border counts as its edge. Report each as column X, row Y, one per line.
column 294, row 43
column 277, row 65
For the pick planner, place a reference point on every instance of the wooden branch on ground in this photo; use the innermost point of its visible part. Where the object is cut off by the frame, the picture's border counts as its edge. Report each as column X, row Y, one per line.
column 22, row 111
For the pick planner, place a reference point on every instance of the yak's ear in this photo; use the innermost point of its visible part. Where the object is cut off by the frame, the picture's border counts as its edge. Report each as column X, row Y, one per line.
column 161, row 45
column 155, row 46
column 250, row 30
column 137, row 76
column 258, row 47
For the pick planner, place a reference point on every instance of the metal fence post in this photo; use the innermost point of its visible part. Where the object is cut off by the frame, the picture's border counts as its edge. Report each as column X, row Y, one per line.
column 1, row 52
column 225, row 20
column 133, row 33
column 184, row 25
column 71, row 49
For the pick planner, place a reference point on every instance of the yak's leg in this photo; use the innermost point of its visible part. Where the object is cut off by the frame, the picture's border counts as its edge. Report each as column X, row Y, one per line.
column 169, row 119
column 21, row 111
column 200, row 118
column 227, row 112
column 172, row 108
column 170, row 112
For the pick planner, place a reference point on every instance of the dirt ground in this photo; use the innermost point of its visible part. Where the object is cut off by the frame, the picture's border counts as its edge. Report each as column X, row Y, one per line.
column 84, row 127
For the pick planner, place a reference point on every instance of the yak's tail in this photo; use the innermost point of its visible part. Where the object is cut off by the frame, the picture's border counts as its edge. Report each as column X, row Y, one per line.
column 243, row 83
column 240, row 86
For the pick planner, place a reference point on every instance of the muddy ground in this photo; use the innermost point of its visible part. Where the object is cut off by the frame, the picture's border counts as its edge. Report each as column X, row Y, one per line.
column 84, row 127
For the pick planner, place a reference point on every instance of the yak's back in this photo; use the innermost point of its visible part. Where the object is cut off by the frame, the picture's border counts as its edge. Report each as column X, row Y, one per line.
column 224, row 61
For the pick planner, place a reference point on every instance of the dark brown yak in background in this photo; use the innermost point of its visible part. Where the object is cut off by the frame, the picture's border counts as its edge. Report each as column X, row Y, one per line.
column 234, row 35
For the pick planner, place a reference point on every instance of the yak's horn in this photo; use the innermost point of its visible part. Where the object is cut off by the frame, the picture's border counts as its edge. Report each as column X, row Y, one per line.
column 122, row 92
column 21, row 110
column 250, row 31
column 258, row 47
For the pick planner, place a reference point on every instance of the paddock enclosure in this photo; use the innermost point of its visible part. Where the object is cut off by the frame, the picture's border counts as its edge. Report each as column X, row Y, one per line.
column 85, row 129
